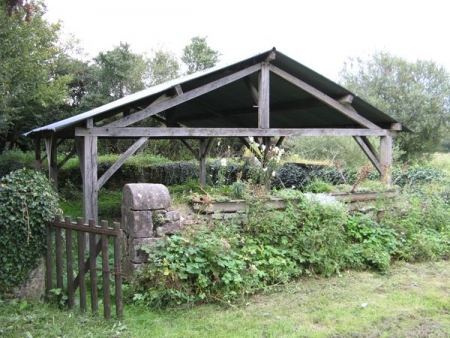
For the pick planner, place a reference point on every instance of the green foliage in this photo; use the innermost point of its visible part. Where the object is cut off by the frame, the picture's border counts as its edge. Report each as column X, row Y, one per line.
column 372, row 245
column 319, row 186
column 27, row 200
column 231, row 259
column 415, row 93
column 12, row 160
column 120, row 72
column 163, row 67
column 199, row 56
column 31, row 93
column 196, row 265
column 330, row 149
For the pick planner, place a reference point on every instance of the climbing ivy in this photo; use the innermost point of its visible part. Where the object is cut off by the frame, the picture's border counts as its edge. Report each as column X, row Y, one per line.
column 27, row 199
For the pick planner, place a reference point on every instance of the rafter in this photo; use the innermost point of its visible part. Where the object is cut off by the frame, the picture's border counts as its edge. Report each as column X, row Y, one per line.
column 344, row 109
column 156, row 108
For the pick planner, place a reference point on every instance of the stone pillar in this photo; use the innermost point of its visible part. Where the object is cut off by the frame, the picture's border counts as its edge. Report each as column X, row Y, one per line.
column 146, row 219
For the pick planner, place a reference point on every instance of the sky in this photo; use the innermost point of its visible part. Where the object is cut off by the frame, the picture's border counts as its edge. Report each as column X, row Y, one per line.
column 320, row 34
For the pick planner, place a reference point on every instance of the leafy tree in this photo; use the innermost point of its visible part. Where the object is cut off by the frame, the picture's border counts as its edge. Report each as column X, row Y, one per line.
column 199, row 56
column 31, row 93
column 23, row 11
column 122, row 72
column 163, row 67
column 415, row 93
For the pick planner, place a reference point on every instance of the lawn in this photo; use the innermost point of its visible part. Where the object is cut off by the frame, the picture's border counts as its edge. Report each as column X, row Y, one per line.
column 411, row 300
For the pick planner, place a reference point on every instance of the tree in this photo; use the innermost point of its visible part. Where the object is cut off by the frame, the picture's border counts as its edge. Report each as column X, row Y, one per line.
column 31, row 93
column 163, row 67
column 122, row 72
column 199, row 56
column 23, row 11
column 415, row 93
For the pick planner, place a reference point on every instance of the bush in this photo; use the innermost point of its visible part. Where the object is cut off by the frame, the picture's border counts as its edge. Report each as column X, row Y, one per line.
column 14, row 160
column 27, row 200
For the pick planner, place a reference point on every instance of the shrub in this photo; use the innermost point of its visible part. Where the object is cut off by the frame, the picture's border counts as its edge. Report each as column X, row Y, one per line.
column 14, row 160
column 27, row 200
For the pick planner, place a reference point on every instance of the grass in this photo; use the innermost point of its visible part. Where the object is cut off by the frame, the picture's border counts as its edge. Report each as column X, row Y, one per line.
column 442, row 161
column 411, row 300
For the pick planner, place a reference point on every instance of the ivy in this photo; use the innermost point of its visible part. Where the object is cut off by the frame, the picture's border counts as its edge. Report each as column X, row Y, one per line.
column 27, row 200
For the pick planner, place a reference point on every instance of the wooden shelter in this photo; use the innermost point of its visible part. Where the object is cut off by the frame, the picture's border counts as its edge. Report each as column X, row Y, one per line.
column 267, row 95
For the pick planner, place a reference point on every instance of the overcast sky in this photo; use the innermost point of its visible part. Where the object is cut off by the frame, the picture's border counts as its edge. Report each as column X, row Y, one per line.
column 321, row 34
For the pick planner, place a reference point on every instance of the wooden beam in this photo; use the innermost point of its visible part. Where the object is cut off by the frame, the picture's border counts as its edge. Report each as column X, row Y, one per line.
column 37, row 154
column 253, row 91
column 396, row 126
column 89, row 174
column 178, row 90
column 344, row 109
column 272, row 55
column 347, row 99
column 156, row 108
column 130, row 151
column 386, row 158
column 68, row 157
column 187, row 145
column 264, row 97
column 280, row 141
column 369, row 151
column 202, row 159
column 51, row 150
column 90, row 187
column 135, row 132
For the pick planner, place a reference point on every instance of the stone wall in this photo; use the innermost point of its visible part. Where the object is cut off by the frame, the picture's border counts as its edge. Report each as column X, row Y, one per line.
column 146, row 218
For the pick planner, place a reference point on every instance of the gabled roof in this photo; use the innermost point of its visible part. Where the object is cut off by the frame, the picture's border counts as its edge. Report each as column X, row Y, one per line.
column 233, row 106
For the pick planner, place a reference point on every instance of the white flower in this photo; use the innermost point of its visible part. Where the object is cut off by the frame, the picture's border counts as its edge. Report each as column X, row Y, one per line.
column 263, row 147
column 223, row 162
column 276, row 149
column 264, row 169
column 250, row 138
column 218, row 143
column 274, row 173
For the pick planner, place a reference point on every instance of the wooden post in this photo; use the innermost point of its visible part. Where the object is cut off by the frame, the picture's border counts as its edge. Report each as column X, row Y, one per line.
column 105, row 273
column 264, row 97
column 93, row 268
column 51, row 147
column 81, row 266
column 202, row 159
column 386, row 158
column 37, row 154
column 89, row 169
column 118, row 271
column 69, row 255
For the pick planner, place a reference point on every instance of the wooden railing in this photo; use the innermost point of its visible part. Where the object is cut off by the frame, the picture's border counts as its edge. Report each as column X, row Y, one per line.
column 103, row 233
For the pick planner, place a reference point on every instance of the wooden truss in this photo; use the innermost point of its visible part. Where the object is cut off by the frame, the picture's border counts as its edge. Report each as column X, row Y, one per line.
column 86, row 137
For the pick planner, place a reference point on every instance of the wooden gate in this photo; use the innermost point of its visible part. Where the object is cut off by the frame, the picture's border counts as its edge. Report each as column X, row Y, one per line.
column 103, row 233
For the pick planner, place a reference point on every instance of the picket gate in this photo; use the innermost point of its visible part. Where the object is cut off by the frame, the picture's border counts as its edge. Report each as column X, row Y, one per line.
column 98, row 240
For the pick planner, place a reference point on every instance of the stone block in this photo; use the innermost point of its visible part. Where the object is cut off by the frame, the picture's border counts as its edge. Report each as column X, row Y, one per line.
column 137, row 223
column 129, row 268
column 168, row 229
column 146, row 196
column 137, row 255
column 172, row 216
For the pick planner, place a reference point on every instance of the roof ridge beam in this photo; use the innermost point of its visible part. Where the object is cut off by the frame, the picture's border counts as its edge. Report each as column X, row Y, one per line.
column 345, row 109
column 154, row 109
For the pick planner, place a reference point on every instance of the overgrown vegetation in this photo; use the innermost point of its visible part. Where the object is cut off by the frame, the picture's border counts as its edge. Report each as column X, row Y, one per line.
column 27, row 200
column 316, row 235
